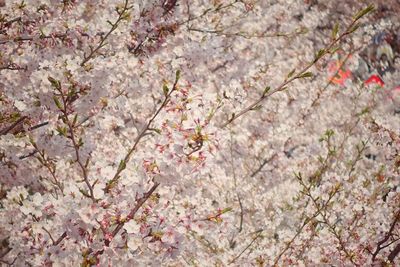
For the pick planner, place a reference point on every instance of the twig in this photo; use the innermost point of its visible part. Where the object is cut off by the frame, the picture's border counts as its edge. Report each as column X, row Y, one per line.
column 262, row 165
column 5, row 252
column 352, row 26
column 380, row 246
column 394, row 253
column 61, row 238
column 12, row 126
column 259, row 232
column 114, row 26
column 130, row 216
column 241, row 215
column 246, row 35
column 38, row 126
column 142, row 133
column 32, row 38
column 76, row 144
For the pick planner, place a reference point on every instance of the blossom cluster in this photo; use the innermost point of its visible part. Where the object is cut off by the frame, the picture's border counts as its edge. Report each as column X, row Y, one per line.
column 204, row 133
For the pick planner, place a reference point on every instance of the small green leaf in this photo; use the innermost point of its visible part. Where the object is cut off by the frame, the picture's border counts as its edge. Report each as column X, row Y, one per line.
column 31, row 140
column 266, row 90
column 80, row 142
column 329, row 132
column 335, row 31
column 302, row 30
column 42, row 35
column 178, row 75
column 257, row 107
column 15, row 116
column 75, row 119
column 40, row 160
column 320, row 54
column 354, row 28
column 226, row 210
column 306, row 75
column 84, row 192
column 363, row 12
column 334, row 49
column 122, row 165
column 291, row 73
column 55, row 83
column 364, row 111
column 57, row 102
column 165, row 89
column 62, row 130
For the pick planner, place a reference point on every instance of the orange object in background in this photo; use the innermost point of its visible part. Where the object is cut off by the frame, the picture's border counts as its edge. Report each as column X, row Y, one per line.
column 340, row 75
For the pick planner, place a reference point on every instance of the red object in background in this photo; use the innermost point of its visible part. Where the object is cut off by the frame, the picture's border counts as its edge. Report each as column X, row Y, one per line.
column 375, row 79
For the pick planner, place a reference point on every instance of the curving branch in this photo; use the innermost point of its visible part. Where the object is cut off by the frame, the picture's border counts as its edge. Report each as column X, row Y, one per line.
column 142, row 133
column 303, row 73
column 122, row 14
column 381, row 244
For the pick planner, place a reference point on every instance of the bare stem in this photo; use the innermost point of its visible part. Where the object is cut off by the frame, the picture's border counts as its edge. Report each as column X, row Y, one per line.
column 141, row 134
column 114, row 26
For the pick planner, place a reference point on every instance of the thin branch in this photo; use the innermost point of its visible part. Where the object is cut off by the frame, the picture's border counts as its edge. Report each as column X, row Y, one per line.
column 76, row 144
column 2, row 255
column 245, row 35
column 296, row 76
column 394, row 253
column 142, row 133
column 32, row 38
column 259, row 233
column 47, row 231
column 209, row 10
column 12, row 126
column 47, row 163
column 265, row 161
column 38, row 126
column 11, row 21
column 132, row 213
column 241, row 215
column 380, row 246
column 60, row 239
column 121, row 16
column 28, row 155
column 130, row 216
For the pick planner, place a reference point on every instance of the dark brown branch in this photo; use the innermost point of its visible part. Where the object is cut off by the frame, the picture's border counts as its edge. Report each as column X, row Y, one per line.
column 259, row 232
column 130, row 216
column 5, row 252
column 381, row 243
column 262, row 165
column 11, row 21
column 138, row 205
column 394, row 253
column 38, row 126
column 60, row 239
column 32, row 38
column 12, row 126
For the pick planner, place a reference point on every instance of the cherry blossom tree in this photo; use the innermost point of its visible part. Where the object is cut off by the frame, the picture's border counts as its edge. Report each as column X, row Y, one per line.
column 204, row 133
